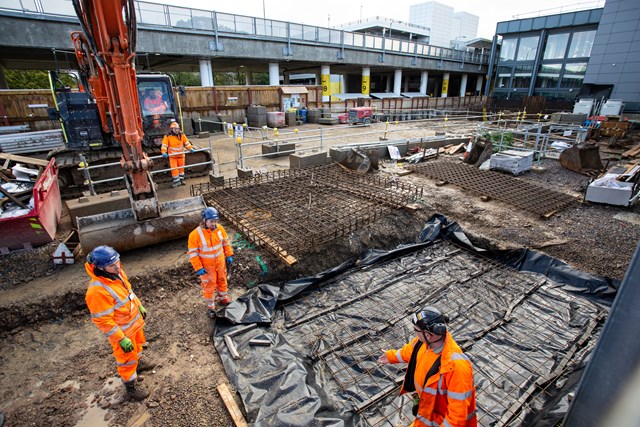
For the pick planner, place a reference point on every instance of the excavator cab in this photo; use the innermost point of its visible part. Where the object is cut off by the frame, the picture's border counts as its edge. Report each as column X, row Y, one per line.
column 158, row 105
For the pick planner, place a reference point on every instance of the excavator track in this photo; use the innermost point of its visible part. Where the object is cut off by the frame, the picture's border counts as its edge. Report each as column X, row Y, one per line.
column 72, row 179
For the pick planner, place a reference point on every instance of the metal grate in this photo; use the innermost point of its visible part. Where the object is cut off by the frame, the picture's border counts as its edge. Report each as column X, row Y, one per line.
column 290, row 212
column 524, row 195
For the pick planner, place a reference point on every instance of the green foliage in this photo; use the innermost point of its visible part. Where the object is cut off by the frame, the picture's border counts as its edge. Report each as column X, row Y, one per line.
column 185, row 78
column 33, row 79
column 260, row 78
column 495, row 137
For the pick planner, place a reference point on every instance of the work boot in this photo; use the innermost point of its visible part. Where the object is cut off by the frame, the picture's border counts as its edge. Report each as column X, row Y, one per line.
column 175, row 184
column 211, row 313
column 135, row 391
column 224, row 300
column 145, row 364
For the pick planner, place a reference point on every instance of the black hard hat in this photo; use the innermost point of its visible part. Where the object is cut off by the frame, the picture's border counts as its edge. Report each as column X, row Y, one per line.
column 430, row 319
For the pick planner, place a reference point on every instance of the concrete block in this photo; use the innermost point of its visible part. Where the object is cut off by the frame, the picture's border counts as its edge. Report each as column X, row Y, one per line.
column 217, row 180
column 302, row 160
column 93, row 205
column 202, row 135
column 245, row 173
column 328, row 120
column 271, row 149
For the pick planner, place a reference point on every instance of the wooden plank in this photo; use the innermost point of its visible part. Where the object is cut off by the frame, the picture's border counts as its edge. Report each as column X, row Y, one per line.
column 13, row 199
column 22, row 159
column 232, row 407
column 554, row 242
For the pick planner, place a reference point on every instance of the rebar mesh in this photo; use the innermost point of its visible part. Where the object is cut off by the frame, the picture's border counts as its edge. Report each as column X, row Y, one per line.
column 524, row 195
column 290, row 212
column 522, row 333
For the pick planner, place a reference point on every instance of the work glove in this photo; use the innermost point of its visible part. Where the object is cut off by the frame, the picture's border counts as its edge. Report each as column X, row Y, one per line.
column 201, row 272
column 165, row 155
column 229, row 260
column 126, row 345
column 143, row 312
column 192, row 150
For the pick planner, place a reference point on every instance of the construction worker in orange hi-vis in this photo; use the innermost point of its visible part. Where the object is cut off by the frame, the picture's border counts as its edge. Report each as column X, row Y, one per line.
column 209, row 253
column 154, row 105
column 174, row 145
column 439, row 375
column 119, row 314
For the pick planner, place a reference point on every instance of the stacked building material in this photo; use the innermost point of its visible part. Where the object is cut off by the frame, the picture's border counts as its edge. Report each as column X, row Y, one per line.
column 516, row 162
column 256, row 116
column 31, row 142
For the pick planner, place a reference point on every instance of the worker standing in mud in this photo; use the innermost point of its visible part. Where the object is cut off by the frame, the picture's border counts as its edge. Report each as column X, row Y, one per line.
column 119, row 314
column 174, row 145
column 209, row 253
column 439, row 374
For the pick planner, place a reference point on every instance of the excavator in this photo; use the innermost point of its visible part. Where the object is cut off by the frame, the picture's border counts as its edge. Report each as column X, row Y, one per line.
column 105, row 49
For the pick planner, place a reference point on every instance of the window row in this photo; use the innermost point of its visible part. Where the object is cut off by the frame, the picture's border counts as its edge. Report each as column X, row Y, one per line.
column 549, row 76
column 555, row 46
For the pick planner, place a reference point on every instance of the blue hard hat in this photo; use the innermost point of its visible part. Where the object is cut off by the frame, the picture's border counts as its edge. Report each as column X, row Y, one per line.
column 103, row 256
column 210, row 213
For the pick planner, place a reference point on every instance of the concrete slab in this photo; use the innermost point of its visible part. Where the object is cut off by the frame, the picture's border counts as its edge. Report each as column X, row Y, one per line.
column 302, row 160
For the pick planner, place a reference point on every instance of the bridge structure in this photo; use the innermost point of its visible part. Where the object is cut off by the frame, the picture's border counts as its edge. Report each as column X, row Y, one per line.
column 36, row 35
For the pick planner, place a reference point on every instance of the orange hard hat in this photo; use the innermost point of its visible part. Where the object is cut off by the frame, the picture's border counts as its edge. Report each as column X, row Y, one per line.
column 174, row 125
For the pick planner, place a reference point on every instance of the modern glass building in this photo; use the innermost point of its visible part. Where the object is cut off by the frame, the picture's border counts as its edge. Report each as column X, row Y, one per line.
column 593, row 53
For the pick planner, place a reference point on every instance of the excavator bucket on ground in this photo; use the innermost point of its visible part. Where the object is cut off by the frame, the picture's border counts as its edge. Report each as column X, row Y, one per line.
column 582, row 158
column 123, row 231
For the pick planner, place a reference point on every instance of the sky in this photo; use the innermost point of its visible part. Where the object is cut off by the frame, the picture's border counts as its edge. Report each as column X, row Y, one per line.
column 334, row 12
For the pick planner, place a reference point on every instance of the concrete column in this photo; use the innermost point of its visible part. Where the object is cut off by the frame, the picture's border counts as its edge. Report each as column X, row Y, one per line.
column 445, row 85
column 286, row 78
column 248, row 77
column 397, row 82
column 388, row 88
column 274, row 74
column 325, row 82
column 206, row 73
column 479, row 85
column 366, row 81
column 424, row 78
column 463, row 85
column 406, row 84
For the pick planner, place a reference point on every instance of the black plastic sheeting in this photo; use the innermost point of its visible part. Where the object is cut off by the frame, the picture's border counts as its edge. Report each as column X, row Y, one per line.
column 528, row 334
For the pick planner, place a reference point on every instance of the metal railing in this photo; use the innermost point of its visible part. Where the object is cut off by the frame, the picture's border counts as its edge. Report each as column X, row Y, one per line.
column 217, row 23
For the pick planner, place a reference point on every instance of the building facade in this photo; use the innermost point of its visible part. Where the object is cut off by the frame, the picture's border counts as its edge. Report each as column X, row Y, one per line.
column 590, row 53
column 445, row 24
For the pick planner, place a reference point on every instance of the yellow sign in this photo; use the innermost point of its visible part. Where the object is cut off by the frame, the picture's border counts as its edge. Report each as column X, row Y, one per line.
column 325, row 81
column 365, row 85
column 445, row 86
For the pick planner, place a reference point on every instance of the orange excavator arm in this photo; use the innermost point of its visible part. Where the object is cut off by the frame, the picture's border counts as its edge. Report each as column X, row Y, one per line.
column 105, row 50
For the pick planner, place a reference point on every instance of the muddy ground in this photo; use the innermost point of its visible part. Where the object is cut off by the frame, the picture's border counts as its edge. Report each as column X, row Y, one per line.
column 56, row 367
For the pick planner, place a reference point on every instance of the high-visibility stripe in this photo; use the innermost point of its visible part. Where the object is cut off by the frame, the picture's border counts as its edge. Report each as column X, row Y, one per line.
column 112, row 331
column 459, row 396
column 211, row 255
column 132, row 377
column 129, row 363
column 430, row 390
column 446, row 423
column 398, row 355
column 426, row 421
column 193, row 255
column 471, row 416
column 460, row 356
column 103, row 313
column 128, row 325
column 203, row 241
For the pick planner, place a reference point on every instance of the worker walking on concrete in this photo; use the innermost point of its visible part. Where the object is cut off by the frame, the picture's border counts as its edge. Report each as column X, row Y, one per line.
column 439, row 374
column 174, row 145
column 118, row 313
column 209, row 253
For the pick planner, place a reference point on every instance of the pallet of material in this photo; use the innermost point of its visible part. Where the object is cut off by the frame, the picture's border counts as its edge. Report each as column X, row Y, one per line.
column 632, row 152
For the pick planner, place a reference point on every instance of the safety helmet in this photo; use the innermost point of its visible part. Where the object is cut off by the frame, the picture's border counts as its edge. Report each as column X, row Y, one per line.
column 210, row 213
column 174, row 125
column 431, row 320
column 103, row 256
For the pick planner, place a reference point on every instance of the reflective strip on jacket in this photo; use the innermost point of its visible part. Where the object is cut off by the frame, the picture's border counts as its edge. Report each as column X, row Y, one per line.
column 208, row 247
column 174, row 144
column 113, row 305
column 449, row 396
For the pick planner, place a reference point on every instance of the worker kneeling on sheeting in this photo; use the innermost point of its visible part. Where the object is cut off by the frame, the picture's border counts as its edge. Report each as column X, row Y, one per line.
column 118, row 313
column 174, row 145
column 439, row 374
column 209, row 253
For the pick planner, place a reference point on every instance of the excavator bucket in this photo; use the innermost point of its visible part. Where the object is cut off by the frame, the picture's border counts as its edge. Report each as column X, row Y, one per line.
column 582, row 158
column 122, row 231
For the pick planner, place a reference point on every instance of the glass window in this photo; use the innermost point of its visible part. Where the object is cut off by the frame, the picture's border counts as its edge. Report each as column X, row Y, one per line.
column 548, row 76
column 556, row 46
column 581, row 44
column 503, row 77
column 522, row 76
column 528, row 49
column 508, row 50
column 573, row 75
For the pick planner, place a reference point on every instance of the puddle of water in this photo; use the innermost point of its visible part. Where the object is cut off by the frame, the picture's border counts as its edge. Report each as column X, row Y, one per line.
column 94, row 416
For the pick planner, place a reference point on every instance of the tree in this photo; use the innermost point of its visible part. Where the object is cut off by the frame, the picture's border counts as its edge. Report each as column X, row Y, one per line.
column 185, row 78
column 34, row 79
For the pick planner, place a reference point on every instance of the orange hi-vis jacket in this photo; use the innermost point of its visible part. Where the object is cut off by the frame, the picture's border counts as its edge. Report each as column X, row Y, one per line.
column 175, row 144
column 113, row 306
column 448, row 398
column 208, row 248
column 155, row 106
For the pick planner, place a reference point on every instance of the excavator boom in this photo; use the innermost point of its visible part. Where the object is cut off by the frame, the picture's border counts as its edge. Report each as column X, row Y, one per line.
column 105, row 50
